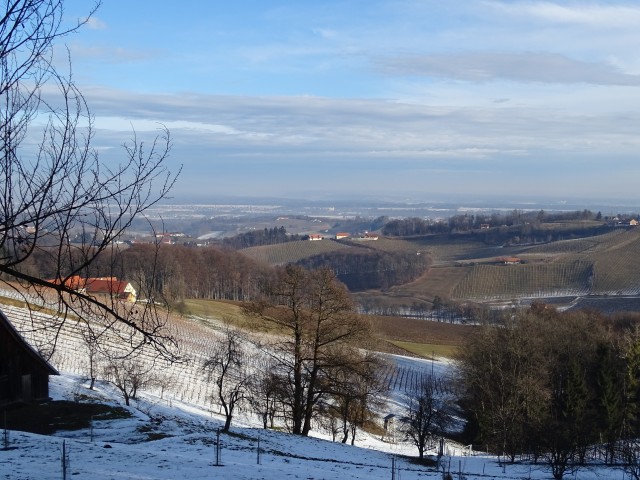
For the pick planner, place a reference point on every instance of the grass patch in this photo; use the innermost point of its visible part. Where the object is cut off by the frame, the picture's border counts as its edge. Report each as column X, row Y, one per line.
column 219, row 310
column 47, row 418
column 427, row 350
column 213, row 309
column 232, row 313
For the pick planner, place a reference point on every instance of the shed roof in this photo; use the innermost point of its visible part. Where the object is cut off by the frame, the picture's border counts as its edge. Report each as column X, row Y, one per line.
column 32, row 352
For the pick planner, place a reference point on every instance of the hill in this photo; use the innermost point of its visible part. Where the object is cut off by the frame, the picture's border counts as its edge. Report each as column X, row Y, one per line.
column 292, row 252
column 605, row 264
column 464, row 267
column 175, row 418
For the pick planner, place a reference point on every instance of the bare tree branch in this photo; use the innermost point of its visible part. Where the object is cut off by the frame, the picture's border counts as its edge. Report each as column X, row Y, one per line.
column 59, row 201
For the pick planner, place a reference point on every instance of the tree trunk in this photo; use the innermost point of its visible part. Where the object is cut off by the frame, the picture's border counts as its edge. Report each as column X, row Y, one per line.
column 227, row 423
column 310, row 402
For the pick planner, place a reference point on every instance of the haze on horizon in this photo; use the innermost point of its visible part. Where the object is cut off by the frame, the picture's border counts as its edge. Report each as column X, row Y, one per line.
column 391, row 98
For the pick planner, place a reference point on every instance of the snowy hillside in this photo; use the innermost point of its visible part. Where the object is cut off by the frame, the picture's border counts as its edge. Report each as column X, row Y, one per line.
column 172, row 432
column 185, row 447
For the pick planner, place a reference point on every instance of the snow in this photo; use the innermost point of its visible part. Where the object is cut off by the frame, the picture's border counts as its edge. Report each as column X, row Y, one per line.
column 185, row 424
column 121, row 449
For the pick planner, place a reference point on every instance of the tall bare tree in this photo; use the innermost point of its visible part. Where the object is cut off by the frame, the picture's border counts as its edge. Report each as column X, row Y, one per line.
column 57, row 196
column 320, row 329
column 265, row 393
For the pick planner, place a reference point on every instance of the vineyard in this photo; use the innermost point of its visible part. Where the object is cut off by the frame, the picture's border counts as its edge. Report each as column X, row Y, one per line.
column 531, row 280
column 446, row 251
column 404, row 377
column 438, row 281
column 578, row 245
column 617, row 266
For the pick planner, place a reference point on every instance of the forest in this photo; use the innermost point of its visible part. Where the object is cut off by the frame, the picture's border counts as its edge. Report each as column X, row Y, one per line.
column 554, row 388
column 370, row 269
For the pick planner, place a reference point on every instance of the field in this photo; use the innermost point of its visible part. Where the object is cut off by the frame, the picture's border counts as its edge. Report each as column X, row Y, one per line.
column 424, row 332
column 291, row 252
column 393, row 334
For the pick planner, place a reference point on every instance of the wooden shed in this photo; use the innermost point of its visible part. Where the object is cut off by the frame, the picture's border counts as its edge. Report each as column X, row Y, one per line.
column 24, row 374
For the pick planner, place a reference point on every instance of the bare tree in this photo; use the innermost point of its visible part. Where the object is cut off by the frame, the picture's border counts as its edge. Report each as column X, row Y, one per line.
column 59, row 199
column 265, row 394
column 129, row 375
column 227, row 368
column 427, row 415
column 315, row 314
column 91, row 341
column 357, row 392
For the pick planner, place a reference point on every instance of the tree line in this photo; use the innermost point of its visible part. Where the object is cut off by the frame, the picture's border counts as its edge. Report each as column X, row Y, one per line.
column 468, row 222
column 553, row 387
column 177, row 272
column 256, row 238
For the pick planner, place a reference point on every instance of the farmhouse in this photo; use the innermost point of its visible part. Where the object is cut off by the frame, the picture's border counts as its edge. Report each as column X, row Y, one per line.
column 315, row 236
column 341, row 235
column 100, row 286
column 510, row 260
column 633, row 222
column 111, row 286
column 24, row 374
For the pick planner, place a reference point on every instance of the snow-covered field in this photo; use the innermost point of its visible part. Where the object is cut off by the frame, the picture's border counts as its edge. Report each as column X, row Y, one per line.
column 172, row 434
column 122, row 449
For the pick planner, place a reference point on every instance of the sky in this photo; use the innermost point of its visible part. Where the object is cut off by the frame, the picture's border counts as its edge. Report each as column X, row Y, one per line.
column 409, row 99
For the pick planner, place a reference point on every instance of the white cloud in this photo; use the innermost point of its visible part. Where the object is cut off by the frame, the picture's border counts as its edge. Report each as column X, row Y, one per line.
column 591, row 14
column 521, row 67
column 290, row 128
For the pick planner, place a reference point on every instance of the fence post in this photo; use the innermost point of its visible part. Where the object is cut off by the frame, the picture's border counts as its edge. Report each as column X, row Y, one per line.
column 65, row 460
column 393, row 468
column 258, row 451
column 218, row 447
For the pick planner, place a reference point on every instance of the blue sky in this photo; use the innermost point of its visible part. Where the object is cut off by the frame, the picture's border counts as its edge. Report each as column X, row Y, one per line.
column 407, row 99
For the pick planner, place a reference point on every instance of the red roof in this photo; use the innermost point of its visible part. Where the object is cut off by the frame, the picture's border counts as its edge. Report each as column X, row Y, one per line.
column 74, row 282
column 109, row 285
column 106, row 285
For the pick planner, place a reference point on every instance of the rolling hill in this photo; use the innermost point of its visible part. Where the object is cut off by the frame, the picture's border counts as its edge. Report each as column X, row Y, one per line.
column 462, row 267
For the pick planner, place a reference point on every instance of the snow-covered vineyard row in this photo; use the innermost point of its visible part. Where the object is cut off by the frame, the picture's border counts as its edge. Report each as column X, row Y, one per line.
column 185, row 380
